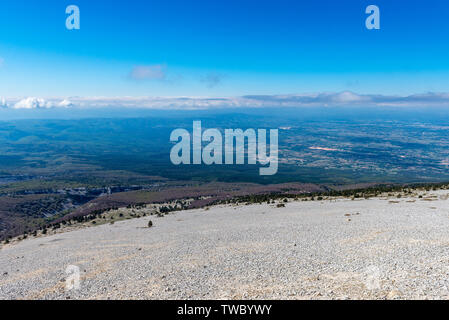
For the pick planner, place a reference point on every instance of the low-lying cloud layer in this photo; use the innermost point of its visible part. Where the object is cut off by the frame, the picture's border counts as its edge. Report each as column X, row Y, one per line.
column 255, row 101
column 35, row 103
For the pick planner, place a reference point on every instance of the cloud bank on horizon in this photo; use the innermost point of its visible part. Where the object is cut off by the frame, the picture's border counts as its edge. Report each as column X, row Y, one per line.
column 340, row 99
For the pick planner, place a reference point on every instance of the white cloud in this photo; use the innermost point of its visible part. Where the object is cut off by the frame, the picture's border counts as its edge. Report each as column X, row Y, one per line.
column 152, row 72
column 347, row 97
column 33, row 103
column 255, row 101
column 65, row 103
column 305, row 100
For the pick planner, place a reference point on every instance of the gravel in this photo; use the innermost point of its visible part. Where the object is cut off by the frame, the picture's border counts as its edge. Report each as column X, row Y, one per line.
column 339, row 249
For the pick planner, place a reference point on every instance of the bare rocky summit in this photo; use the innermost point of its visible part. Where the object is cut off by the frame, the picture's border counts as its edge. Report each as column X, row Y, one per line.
column 379, row 248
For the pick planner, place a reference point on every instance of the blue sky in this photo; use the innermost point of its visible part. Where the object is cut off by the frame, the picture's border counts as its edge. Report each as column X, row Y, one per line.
column 220, row 48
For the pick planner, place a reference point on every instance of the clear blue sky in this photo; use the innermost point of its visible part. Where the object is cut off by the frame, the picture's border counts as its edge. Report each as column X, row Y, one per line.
column 222, row 47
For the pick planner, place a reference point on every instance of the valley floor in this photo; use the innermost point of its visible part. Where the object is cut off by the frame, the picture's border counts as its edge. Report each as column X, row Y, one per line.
column 333, row 249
